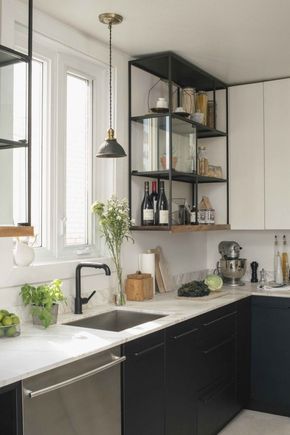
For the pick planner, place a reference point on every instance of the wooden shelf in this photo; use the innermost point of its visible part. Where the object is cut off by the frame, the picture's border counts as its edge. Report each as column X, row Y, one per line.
column 13, row 231
column 183, row 228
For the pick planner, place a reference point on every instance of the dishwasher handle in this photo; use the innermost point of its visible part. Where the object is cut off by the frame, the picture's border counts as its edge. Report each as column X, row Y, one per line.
column 116, row 360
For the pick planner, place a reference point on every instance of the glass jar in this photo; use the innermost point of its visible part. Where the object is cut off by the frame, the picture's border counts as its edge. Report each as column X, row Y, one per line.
column 202, row 161
column 211, row 114
column 201, row 104
column 202, row 216
column 210, row 216
column 188, row 100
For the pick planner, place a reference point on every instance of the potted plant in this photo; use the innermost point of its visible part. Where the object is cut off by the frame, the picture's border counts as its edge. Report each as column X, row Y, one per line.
column 114, row 222
column 44, row 300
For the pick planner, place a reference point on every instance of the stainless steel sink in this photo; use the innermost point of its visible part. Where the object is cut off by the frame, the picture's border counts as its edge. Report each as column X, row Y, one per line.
column 116, row 320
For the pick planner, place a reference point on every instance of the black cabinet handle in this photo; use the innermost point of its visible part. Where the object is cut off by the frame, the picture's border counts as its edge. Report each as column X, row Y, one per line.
column 149, row 349
column 217, row 346
column 233, row 313
column 183, row 334
column 217, row 392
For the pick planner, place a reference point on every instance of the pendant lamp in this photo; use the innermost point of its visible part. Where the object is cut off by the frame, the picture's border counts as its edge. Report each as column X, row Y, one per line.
column 110, row 148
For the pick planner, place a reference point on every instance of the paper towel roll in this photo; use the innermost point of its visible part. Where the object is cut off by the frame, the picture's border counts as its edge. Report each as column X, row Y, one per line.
column 147, row 265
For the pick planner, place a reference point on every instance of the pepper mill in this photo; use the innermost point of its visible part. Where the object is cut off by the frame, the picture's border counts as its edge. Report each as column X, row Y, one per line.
column 254, row 267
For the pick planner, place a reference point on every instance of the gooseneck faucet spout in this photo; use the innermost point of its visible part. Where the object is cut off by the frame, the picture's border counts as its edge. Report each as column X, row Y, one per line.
column 79, row 301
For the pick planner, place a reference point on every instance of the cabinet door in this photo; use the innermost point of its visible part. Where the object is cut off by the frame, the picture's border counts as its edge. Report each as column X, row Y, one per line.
column 270, row 352
column 144, row 386
column 246, row 153
column 11, row 410
column 244, row 352
column 181, row 372
column 277, row 154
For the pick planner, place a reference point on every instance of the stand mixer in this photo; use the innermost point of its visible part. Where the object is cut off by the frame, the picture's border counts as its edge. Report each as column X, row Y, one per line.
column 231, row 267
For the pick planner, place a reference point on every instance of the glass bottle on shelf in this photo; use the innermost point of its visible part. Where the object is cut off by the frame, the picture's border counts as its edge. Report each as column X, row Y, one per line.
column 188, row 100
column 154, row 200
column 193, row 211
column 201, row 104
column 147, row 213
column 202, row 161
column 162, row 206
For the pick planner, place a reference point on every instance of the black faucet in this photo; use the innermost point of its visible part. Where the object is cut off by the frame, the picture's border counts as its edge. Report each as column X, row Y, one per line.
column 79, row 301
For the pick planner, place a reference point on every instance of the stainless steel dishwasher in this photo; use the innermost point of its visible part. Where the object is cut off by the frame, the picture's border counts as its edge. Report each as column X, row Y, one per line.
column 81, row 398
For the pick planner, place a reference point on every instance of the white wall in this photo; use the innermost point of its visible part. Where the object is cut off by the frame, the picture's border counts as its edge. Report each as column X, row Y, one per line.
column 257, row 246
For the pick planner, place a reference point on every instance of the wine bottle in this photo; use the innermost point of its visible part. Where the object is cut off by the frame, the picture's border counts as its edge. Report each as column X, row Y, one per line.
column 147, row 214
column 162, row 206
column 154, row 200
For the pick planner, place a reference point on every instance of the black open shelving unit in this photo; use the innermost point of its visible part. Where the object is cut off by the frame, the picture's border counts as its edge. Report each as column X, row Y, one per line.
column 9, row 56
column 178, row 72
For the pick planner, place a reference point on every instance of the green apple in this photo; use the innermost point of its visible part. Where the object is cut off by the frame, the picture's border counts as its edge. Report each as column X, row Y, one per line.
column 11, row 332
column 15, row 319
column 7, row 321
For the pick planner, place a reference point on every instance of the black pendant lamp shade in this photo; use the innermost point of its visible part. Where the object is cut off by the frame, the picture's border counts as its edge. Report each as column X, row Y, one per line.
column 110, row 148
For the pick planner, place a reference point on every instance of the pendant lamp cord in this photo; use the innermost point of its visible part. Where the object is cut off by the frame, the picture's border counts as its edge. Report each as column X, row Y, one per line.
column 110, row 79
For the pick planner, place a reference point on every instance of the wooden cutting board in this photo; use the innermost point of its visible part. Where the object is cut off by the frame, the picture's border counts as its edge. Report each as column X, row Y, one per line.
column 212, row 295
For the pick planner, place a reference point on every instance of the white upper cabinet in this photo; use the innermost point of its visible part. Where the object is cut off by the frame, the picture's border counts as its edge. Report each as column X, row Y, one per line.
column 246, row 157
column 277, row 154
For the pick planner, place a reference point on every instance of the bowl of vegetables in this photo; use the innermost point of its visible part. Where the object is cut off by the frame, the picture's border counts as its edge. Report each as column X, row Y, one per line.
column 9, row 324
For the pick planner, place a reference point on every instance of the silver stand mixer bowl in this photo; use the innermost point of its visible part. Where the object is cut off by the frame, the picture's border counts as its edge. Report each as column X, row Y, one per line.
column 232, row 271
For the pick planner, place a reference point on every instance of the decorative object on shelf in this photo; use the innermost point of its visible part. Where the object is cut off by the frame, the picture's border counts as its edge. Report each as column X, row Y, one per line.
column 163, row 162
column 206, row 213
column 201, row 104
column 198, row 117
column 44, row 301
column 181, row 112
column 215, row 171
column 23, row 252
column 139, row 286
column 114, row 223
column 161, row 103
column 9, row 324
column 110, row 148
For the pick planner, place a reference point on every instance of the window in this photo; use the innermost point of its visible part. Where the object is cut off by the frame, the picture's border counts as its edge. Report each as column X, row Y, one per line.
column 78, row 145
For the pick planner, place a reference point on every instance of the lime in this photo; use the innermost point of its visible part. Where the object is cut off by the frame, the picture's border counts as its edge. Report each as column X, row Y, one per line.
column 2, row 332
column 10, row 332
column 7, row 321
column 15, row 319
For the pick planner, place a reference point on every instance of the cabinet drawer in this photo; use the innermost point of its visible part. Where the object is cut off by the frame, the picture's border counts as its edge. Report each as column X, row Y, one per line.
column 144, row 345
column 216, row 407
column 217, row 326
column 216, row 361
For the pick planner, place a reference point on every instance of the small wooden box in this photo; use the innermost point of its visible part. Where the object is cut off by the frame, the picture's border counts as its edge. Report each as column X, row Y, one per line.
column 139, row 286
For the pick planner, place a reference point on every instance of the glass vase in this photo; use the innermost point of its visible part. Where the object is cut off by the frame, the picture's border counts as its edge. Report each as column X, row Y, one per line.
column 119, row 295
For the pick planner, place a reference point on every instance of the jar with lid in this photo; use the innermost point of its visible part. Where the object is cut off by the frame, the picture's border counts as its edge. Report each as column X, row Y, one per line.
column 188, row 100
column 202, row 161
column 211, row 111
column 201, row 104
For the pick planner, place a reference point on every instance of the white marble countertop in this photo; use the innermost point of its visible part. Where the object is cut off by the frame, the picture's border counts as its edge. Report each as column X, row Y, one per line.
column 37, row 350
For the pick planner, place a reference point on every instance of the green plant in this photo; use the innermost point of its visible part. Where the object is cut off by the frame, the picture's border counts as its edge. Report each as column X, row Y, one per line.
column 42, row 298
column 114, row 222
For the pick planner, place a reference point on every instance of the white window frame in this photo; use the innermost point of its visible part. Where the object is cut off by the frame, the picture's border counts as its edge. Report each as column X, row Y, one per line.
column 96, row 74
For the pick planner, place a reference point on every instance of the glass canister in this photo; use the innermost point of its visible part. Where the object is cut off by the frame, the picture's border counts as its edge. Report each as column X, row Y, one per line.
column 188, row 100
column 201, row 104
column 202, row 161
column 211, row 114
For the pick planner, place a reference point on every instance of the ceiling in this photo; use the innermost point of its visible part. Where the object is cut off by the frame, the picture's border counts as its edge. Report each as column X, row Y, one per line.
column 236, row 40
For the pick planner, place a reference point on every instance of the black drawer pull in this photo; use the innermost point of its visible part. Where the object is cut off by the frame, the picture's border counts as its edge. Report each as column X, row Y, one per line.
column 217, row 346
column 217, row 392
column 176, row 337
column 233, row 313
column 149, row 349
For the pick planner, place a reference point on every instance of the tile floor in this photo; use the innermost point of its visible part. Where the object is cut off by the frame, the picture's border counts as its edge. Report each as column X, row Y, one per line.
column 257, row 423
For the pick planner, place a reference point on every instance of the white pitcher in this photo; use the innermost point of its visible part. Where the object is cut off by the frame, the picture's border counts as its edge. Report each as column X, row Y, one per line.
column 23, row 253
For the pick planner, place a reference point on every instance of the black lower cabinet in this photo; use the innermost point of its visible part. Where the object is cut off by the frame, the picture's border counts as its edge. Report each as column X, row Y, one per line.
column 181, row 378
column 143, row 379
column 11, row 410
column 186, row 380
column 270, row 355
